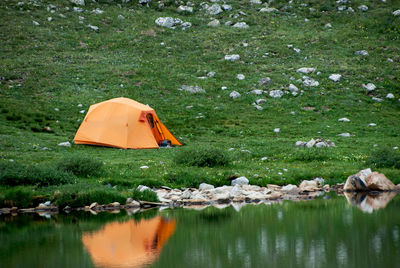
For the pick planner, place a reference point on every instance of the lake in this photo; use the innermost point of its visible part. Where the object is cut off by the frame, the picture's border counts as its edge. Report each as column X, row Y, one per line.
column 331, row 231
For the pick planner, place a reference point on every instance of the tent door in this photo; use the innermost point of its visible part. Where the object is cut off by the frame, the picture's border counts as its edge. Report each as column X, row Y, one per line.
column 155, row 128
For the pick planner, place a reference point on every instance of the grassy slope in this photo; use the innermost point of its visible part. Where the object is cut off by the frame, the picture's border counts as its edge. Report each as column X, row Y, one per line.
column 63, row 63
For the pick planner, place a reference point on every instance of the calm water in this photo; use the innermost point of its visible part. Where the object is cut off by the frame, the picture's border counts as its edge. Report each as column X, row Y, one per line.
column 336, row 232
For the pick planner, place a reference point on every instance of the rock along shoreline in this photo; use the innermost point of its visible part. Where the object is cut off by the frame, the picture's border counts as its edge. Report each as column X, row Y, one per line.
column 238, row 194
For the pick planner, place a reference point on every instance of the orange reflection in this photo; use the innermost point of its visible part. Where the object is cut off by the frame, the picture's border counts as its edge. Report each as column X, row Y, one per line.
column 128, row 244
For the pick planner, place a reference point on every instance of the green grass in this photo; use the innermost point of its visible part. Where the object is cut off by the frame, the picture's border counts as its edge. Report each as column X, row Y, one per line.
column 47, row 71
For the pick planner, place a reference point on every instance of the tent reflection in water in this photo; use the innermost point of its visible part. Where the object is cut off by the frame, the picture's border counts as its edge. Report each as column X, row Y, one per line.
column 130, row 243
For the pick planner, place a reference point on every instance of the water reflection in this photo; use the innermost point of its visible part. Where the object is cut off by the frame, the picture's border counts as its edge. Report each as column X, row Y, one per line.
column 369, row 202
column 128, row 244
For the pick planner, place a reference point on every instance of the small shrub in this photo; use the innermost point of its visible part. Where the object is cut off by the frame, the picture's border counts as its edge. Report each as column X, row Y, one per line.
column 146, row 195
column 82, row 166
column 13, row 174
column 384, row 157
column 202, row 157
column 80, row 199
column 16, row 197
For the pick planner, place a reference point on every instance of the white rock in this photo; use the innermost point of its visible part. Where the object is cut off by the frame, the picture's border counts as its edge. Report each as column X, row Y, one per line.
column 277, row 130
column 363, row 8
column 240, row 76
column 328, row 25
column 321, row 144
column 205, row 186
column 214, row 23
column 344, row 119
column 258, row 107
column 82, row 111
column 305, row 70
column 372, row 125
column 49, row 19
column 65, row 144
column 293, row 88
column 142, row 188
column 233, row 57
column 120, row 17
column 256, row 2
column 311, row 143
column 35, row 23
column 256, row 92
column 390, row 96
column 369, row 87
column 264, row 158
column 94, row 28
column 241, row 25
column 264, row 81
column 78, row 2
column 241, row 181
column 185, row 9
column 78, row 9
column 260, row 101
column 309, row 82
column 97, row 11
column 192, row 89
column 361, row 53
column 144, row 167
column 296, row 50
column 300, row 143
column 377, row 99
column 335, row 77
column 234, row 95
column 276, row 93
column 396, row 12
column 47, row 203
column 227, row 7
column 268, row 9
column 289, row 188
column 211, row 74
column 215, row 9
column 344, row 135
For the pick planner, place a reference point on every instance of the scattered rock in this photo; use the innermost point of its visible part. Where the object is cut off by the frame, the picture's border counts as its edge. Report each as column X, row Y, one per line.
column 344, row 119
column 94, row 28
column 257, row 92
column 240, row 76
column 78, row 9
column 35, row 23
column 264, row 81
column 192, row 89
column 97, row 11
column 144, row 167
column 185, row 9
column 78, row 2
column 172, row 23
column 142, row 188
column 328, row 26
column 276, row 93
column 240, row 181
column 377, row 99
column 204, row 186
column 372, row 125
column 369, row 87
column 241, row 25
column 305, row 70
column 234, row 95
column 361, row 53
column 215, row 9
column 344, row 135
column 396, row 12
column 65, row 144
column 335, row 77
column 309, row 82
column 214, row 23
column 318, row 143
column 260, row 101
column 227, row 7
column 277, row 130
column 120, row 17
column 363, row 8
column 233, row 57
column 268, row 9
column 389, row 96
column 293, row 89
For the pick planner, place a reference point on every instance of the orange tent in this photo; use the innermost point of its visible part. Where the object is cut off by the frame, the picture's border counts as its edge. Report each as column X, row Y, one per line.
column 123, row 123
column 128, row 244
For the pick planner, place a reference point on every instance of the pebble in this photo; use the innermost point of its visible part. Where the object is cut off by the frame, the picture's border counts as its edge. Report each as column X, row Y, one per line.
column 369, row 87
column 144, row 167
column 344, row 135
column 94, row 28
column 372, row 125
column 234, row 95
column 390, row 96
column 305, row 70
column 277, row 130
column 65, row 144
column 335, row 77
column 344, row 119
column 241, row 25
column 233, row 57
column 361, row 53
column 240, row 76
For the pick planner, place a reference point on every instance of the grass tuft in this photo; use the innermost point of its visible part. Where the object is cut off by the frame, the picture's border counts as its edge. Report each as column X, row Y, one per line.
column 384, row 158
column 202, row 157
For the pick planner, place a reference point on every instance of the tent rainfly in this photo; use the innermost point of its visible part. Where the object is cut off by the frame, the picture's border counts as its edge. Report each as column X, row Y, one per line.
column 123, row 123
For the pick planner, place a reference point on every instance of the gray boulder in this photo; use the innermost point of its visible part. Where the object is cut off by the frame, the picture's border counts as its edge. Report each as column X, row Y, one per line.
column 240, row 181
